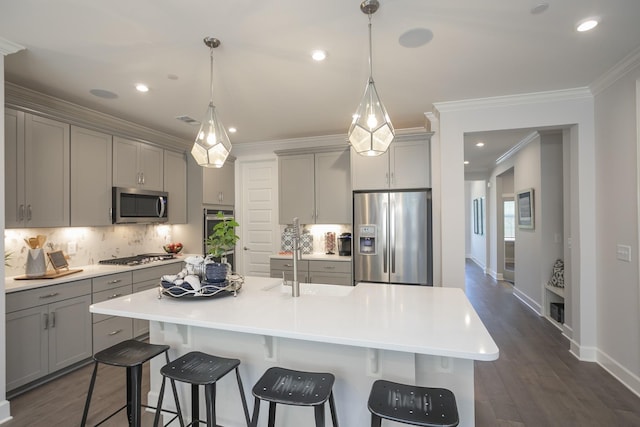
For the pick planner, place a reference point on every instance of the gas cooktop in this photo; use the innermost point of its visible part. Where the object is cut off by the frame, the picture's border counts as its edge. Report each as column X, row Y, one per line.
column 137, row 259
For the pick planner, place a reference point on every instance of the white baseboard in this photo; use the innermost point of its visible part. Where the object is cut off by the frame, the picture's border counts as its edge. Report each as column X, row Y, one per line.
column 537, row 308
column 478, row 263
column 5, row 411
column 619, row 372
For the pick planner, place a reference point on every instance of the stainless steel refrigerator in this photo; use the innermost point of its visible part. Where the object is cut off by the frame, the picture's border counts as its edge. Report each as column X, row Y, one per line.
column 392, row 237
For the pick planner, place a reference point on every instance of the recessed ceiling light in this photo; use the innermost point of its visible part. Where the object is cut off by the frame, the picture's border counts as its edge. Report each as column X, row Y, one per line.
column 466, row 162
column 233, row 130
column 319, row 55
column 415, row 37
column 172, row 77
column 141, row 87
column 539, row 8
column 480, row 144
column 587, row 24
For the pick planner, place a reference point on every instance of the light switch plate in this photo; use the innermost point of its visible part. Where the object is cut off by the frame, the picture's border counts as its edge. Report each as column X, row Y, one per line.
column 623, row 253
column 72, row 247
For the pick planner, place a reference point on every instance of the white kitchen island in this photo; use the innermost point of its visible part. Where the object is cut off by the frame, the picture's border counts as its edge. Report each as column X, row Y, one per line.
column 412, row 334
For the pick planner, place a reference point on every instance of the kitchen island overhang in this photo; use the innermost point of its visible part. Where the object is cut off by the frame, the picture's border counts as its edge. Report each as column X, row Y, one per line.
column 423, row 335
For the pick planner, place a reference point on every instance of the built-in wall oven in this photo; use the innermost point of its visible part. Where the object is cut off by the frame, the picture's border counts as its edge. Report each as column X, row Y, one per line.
column 210, row 220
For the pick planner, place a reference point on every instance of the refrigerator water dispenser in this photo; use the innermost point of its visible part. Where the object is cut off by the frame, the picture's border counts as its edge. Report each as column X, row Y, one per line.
column 367, row 237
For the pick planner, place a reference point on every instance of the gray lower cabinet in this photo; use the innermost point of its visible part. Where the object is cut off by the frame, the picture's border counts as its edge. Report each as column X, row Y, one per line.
column 48, row 329
column 110, row 330
column 313, row 271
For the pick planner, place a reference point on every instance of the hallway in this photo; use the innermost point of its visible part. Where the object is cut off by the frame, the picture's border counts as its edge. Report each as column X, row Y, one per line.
column 536, row 382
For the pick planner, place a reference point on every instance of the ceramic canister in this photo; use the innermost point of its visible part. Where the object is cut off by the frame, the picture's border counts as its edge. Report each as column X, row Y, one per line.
column 36, row 265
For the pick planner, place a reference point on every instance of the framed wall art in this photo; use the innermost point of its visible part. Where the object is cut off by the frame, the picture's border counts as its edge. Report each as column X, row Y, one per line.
column 524, row 205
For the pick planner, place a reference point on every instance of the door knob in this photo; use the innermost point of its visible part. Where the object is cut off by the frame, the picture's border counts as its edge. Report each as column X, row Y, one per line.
column 245, row 248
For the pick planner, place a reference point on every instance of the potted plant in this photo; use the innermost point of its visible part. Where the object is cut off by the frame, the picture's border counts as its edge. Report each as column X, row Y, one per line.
column 222, row 240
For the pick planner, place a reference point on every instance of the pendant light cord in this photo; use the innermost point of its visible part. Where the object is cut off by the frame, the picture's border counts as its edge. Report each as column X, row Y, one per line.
column 211, row 75
column 370, row 53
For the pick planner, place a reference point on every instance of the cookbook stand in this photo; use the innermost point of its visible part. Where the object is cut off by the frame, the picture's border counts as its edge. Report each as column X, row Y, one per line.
column 60, row 268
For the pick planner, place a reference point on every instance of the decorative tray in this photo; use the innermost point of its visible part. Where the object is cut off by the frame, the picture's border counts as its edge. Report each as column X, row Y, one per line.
column 231, row 286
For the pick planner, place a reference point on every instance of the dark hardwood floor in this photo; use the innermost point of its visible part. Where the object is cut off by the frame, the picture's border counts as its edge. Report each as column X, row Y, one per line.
column 536, row 382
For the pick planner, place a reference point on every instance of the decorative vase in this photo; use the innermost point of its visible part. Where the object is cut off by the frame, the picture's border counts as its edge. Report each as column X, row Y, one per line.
column 216, row 272
column 36, row 265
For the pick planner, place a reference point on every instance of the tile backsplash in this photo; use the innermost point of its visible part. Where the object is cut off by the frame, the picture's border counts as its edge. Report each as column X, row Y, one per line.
column 92, row 244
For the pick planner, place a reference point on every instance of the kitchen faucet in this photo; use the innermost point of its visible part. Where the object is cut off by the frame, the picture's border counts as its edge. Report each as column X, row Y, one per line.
column 295, row 288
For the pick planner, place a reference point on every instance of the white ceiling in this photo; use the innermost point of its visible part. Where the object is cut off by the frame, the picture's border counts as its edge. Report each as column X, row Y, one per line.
column 265, row 83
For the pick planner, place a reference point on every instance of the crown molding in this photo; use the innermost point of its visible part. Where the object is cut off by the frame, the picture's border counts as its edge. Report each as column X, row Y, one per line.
column 519, row 146
column 615, row 73
column 7, row 47
column 513, row 100
column 30, row 101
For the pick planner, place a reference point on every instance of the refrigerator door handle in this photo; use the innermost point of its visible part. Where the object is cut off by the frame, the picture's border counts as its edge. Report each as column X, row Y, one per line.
column 385, row 226
column 392, row 236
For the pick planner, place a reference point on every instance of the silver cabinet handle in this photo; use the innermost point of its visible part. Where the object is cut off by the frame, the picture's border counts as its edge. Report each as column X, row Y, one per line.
column 386, row 178
column 28, row 212
column 111, row 282
column 329, row 267
column 46, row 321
column 288, row 265
column 393, row 178
column 21, row 213
column 115, row 332
column 53, row 319
column 51, row 295
column 114, row 296
column 142, row 177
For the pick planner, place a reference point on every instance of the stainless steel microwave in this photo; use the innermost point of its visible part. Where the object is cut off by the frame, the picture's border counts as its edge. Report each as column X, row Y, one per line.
column 138, row 206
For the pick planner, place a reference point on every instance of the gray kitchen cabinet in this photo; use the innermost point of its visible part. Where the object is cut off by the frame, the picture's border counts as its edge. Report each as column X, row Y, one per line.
column 91, row 177
column 109, row 330
column 330, row 272
column 175, row 183
column 48, row 329
column 36, row 171
column 218, row 184
column 315, row 188
column 406, row 164
column 137, row 165
column 278, row 267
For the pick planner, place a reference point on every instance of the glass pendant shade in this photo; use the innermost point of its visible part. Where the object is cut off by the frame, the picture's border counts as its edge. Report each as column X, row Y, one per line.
column 371, row 131
column 212, row 145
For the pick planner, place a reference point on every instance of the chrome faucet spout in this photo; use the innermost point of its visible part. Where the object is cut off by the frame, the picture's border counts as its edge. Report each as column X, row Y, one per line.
column 295, row 288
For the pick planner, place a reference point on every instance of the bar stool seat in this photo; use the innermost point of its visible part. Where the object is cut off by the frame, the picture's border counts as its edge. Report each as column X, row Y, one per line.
column 200, row 369
column 297, row 388
column 413, row 405
column 129, row 354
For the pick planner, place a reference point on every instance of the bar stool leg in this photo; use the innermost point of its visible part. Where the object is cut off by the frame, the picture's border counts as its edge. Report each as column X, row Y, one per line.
column 156, row 419
column 319, row 414
column 376, row 421
column 210, row 399
column 136, row 395
column 195, row 405
column 83, row 423
column 272, row 414
column 242, row 397
column 256, row 411
column 332, row 407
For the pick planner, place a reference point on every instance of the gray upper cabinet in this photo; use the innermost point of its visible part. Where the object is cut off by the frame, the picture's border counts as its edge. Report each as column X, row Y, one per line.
column 218, row 184
column 175, row 183
column 137, row 165
column 406, row 164
column 91, row 179
column 36, row 171
column 315, row 188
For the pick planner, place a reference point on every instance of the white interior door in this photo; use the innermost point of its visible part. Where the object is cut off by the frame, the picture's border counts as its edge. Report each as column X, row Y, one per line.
column 258, row 222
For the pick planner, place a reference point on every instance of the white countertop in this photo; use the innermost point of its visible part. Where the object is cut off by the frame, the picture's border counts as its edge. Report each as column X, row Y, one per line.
column 315, row 256
column 88, row 272
column 416, row 319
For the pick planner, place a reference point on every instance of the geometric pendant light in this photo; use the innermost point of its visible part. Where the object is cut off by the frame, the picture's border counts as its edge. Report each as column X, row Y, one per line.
column 371, row 131
column 212, row 145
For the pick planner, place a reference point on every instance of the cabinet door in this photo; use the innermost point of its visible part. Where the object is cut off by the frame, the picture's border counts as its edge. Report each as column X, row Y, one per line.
column 151, row 166
column 70, row 332
column 27, row 346
column 218, row 185
column 369, row 173
column 175, row 183
column 296, row 188
column 14, row 168
column 91, row 180
column 125, row 163
column 410, row 165
column 46, row 172
column 333, row 188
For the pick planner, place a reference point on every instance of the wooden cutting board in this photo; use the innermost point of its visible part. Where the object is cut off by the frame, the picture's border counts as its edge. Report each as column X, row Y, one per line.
column 51, row 274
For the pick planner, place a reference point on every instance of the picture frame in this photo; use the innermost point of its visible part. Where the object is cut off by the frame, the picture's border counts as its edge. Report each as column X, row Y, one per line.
column 475, row 217
column 58, row 261
column 525, row 209
column 481, row 216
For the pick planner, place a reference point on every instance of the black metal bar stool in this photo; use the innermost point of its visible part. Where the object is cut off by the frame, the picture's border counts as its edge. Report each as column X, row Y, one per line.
column 413, row 405
column 197, row 368
column 297, row 388
column 130, row 354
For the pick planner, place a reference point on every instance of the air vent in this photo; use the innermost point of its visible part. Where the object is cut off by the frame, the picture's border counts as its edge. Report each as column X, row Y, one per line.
column 188, row 120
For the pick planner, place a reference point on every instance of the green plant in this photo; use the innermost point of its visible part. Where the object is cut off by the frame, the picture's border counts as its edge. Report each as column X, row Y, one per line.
column 7, row 257
column 223, row 238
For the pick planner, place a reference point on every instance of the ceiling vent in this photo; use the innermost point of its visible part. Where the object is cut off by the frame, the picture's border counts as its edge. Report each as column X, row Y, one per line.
column 188, row 120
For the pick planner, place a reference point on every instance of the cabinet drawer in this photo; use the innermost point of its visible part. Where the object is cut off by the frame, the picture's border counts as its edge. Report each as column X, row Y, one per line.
column 46, row 294
column 330, row 278
column 110, row 332
column 287, row 264
column 104, row 283
column 156, row 272
column 107, row 295
column 330, row 266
